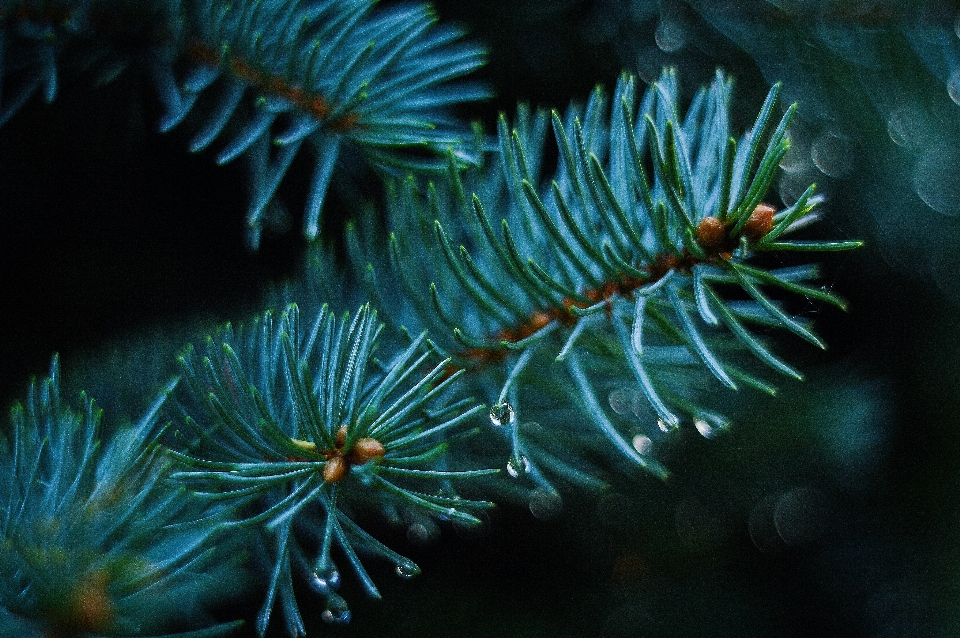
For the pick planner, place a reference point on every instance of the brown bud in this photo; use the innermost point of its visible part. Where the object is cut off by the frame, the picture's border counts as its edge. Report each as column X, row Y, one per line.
column 335, row 469
column 760, row 222
column 341, row 436
column 538, row 320
column 711, row 233
column 366, row 449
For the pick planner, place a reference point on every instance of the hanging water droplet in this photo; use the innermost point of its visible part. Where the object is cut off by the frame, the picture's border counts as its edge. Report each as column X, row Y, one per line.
column 406, row 569
column 642, row 444
column 667, row 427
column 337, row 612
column 710, row 424
column 325, row 580
column 502, row 414
column 704, row 428
column 518, row 466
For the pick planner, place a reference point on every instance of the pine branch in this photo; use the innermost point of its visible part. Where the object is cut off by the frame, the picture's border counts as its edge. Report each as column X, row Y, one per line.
column 301, row 425
column 266, row 77
column 623, row 261
column 96, row 541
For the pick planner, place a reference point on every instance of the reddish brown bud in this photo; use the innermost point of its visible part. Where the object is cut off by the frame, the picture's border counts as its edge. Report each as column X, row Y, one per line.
column 538, row 320
column 760, row 222
column 711, row 233
column 341, row 437
column 335, row 469
column 366, row 449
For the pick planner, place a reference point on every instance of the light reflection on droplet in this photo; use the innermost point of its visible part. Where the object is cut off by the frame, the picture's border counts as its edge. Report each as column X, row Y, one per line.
column 502, row 414
column 793, row 185
column 897, row 128
column 406, row 569
column 667, row 427
column 324, row 581
column 545, row 503
column 710, row 424
column 704, row 428
column 648, row 63
column 518, row 466
column 796, row 159
column 337, row 611
column 642, row 444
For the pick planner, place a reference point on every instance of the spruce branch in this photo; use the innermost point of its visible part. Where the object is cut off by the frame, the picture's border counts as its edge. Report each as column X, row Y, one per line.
column 95, row 538
column 297, row 425
column 623, row 261
column 264, row 78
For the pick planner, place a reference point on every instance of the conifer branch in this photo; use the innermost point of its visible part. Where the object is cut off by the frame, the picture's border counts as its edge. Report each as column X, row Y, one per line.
column 648, row 212
column 95, row 539
column 298, row 425
column 280, row 75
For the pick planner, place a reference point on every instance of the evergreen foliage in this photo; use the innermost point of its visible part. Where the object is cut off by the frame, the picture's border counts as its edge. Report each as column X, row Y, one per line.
column 623, row 260
column 299, row 428
column 95, row 539
column 273, row 75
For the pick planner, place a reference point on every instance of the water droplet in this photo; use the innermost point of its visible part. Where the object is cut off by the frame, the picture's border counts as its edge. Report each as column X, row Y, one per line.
column 337, row 612
column 832, row 154
column 710, row 425
column 406, row 569
column 518, row 466
column 502, row 414
column 667, row 427
column 642, row 444
column 956, row 26
column 704, row 428
column 545, row 503
column 325, row 580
